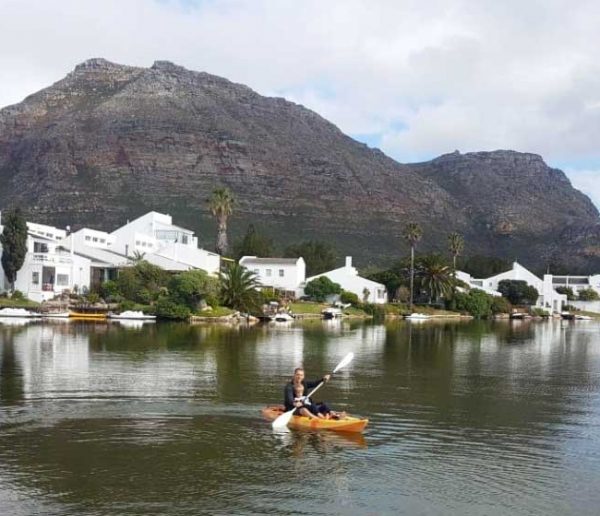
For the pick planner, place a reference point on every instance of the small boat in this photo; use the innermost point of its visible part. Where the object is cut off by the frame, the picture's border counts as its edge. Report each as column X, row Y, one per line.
column 418, row 316
column 567, row 316
column 518, row 315
column 283, row 318
column 346, row 424
column 17, row 312
column 57, row 315
column 87, row 315
column 332, row 313
column 583, row 318
column 132, row 315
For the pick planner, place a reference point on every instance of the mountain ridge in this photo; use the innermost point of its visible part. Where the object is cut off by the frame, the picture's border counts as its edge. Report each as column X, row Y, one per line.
column 108, row 142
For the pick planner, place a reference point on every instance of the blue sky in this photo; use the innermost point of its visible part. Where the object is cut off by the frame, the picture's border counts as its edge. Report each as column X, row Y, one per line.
column 414, row 78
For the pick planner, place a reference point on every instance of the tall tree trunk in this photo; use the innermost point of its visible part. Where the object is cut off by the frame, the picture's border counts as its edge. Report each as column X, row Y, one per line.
column 412, row 274
column 222, row 236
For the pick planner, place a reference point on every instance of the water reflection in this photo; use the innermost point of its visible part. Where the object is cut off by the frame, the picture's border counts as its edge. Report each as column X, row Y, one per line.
column 466, row 418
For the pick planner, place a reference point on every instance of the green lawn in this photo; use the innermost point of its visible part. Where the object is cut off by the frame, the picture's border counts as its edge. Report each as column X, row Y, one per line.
column 219, row 311
column 17, row 303
column 307, row 307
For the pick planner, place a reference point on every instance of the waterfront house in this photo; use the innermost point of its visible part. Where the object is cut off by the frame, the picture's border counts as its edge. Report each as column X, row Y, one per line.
column 476, row 283
column 347, row 277
column 160, row 242
column 284, row 274
column 49, row 269
column 549, row 299
column 576, row 283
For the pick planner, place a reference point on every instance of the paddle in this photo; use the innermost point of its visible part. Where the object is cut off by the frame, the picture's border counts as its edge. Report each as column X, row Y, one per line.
column 283, row 420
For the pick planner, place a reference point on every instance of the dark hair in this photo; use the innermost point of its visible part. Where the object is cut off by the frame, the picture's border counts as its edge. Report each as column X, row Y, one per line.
column 298, row 369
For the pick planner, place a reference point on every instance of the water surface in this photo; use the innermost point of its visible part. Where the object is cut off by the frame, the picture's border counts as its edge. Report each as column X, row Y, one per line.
column 466, row 418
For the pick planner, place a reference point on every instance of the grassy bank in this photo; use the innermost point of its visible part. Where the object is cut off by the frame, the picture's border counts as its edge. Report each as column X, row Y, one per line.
column 17, row 303
column 219, row 311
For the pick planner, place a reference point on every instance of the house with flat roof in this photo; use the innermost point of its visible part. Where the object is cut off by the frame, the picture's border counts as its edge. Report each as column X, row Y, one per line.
column 285, row 274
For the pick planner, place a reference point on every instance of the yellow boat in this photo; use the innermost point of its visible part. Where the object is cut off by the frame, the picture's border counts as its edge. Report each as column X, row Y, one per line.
column 84, row 315
column 346, row 424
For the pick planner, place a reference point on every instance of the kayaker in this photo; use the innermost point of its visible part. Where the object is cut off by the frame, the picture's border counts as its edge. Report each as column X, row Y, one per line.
column 298, row 380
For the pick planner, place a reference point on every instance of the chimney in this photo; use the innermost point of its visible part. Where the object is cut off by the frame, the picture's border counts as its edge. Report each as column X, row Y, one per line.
column 348, row 261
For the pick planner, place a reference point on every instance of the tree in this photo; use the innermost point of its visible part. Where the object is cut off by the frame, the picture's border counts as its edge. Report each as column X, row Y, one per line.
column 518, row 292
column 435, row 276
column 239, row 288
column 412, row 234
column 319, row 256
column 320, row 288
column 14, row 245
column 253, row 244
column 221, row 206
column 475, row 302
column 142, row 282
column 456, row 245
column 137, row 257
column 588, row 294
column 567, row 291
column 190, row 288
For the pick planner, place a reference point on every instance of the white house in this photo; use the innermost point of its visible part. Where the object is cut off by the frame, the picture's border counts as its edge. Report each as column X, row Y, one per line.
column 48, row 269
column 347, row 277
column 548, row 298
column 287, row 274
column 164, row 244
column 476, row 283
column 576, row 283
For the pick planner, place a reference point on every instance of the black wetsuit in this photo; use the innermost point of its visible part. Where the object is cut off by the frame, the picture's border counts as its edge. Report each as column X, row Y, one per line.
column 288, row 396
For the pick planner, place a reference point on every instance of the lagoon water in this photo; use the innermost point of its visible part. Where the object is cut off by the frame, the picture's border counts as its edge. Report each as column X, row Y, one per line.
column 467, row 418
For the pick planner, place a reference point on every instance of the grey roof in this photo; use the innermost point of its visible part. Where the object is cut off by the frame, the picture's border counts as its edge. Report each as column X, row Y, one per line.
column 102, row 256
column 269, row 261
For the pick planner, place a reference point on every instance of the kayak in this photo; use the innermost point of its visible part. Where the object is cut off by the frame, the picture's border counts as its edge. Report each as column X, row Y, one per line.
column 346, row 424
column 87, row 315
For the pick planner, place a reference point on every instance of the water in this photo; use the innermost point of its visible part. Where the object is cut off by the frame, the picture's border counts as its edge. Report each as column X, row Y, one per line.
column 467, row 418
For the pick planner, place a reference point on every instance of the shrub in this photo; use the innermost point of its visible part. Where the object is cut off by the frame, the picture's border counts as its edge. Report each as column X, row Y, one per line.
column 319, row 288
column 475, row 302
column 501, row 305
column 109, row 290
column 142, row 282
column 568, row 291
column 190, row 288
column 167, row 309
column 518, row 292
column 349, row 297
column 377, row 311
column 17, row 295
column 539, row 312
column 588, row 294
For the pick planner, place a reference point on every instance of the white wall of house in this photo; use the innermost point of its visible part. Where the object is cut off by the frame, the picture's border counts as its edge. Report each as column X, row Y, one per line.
column 89, row 237
column 576, row 283
column 548, row 298
column 281, row 273
column 476, row 283
column 347, row 277
column 48, row 270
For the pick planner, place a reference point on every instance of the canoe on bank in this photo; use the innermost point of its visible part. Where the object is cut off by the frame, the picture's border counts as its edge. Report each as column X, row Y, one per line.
column 347, row 424
column 87, row 315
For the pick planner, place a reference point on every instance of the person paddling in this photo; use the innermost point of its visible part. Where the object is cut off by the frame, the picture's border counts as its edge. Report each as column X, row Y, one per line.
column 303, row 406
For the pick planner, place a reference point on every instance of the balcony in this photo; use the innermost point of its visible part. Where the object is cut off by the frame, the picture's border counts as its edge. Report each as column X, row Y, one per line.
column 54, row 259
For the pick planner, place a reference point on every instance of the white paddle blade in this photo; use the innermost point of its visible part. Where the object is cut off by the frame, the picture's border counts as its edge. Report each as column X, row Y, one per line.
column 345, row 361
column 282, row 421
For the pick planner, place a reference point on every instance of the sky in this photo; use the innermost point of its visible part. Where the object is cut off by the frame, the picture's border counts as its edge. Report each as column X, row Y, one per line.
column 415, row 78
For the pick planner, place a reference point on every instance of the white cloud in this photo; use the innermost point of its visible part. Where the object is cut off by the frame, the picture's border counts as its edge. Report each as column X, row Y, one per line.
column 423, row 77
column 587, row 181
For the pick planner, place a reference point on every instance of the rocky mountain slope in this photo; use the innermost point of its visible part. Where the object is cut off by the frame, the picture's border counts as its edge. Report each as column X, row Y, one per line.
column 109, row 142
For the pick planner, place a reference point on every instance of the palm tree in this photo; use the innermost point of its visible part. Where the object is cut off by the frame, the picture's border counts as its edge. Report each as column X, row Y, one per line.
column 239, row 288
column 456, row 245
column 436, row 277
column 221, row 206
column 412, row 234
column 137, row 257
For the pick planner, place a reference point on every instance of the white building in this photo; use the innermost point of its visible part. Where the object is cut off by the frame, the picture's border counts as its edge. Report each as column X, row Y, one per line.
column 164, row 244
column 48, row 269
column 548, row 298
column 576, row 283
column 476, row 283
column 287, row 274
column 347, row 277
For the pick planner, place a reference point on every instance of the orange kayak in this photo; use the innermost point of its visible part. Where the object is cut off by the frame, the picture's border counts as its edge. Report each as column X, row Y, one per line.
column 347, row 424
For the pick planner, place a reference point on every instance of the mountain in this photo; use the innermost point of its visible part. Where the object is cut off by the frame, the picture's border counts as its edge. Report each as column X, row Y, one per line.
column 110, row 142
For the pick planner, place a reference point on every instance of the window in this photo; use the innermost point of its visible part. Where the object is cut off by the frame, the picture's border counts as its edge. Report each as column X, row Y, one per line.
column 88, row 237
column 269, row 271
column 137, row 242
column 281, row 273
column 39, row 247
column 49, row 235
column 62, row 280
column 95, row 239
column 184, row 239
column 143, row 244
column 102, row 240
column 35, row 278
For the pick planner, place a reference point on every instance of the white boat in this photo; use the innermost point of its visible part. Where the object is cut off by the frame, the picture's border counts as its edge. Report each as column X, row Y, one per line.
column 418, row 316
column 583, row 318
column 56, row 315
column 132, row 315
column 283, row 318
column 332, row 313
column 17, row 312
